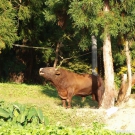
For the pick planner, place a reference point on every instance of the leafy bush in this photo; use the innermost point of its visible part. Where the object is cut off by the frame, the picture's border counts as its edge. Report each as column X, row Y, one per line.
column 119, row 59
column 117, row 81
column 21, row 114
column 12, row 129
column 80, row 67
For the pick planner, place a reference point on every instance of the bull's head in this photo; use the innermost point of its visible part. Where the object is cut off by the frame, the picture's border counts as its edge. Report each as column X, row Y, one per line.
column 49, row 72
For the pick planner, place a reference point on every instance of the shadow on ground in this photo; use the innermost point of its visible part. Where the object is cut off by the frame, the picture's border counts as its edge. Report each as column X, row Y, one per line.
column 50, row 91
column 76, row 100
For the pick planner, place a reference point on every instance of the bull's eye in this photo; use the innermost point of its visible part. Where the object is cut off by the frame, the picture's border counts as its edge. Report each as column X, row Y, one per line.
column 57, row 72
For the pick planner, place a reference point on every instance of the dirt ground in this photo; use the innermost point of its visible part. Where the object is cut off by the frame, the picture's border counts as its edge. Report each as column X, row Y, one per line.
column 121, row 119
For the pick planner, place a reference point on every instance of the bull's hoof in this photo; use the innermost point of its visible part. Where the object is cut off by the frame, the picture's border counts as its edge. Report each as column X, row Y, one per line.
column 65, row 107
column 69, row 107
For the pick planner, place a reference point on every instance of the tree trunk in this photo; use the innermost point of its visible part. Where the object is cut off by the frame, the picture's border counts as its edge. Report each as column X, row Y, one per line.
column 122, row 90
column 108, row 97
column 94, row 55
column 133, row 80
column 127, row 81
column 128, row 92
column 57, row 54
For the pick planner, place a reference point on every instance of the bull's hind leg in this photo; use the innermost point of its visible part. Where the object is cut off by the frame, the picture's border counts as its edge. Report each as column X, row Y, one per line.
column 93, row 97
column 99, row 96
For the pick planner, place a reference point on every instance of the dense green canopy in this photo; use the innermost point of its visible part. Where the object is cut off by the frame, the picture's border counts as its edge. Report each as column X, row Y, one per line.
column 45, row 23
column 8, row 24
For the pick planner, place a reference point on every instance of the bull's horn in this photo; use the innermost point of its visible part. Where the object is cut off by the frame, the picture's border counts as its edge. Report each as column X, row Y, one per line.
column 57, row 68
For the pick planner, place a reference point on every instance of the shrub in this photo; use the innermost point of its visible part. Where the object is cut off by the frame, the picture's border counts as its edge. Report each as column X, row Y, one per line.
column 12, row 129
column 21, row 114
column 80, row 67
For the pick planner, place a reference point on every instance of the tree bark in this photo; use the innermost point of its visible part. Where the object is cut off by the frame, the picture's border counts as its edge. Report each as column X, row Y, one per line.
column 127, row 81
column 94, row 55
column 57, row 54
column 128, row 59
column 133, row 80
column 122, row 90
column 108, row 97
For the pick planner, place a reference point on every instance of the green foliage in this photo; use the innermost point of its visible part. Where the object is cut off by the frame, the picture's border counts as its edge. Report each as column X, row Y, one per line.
column 89, row 14
column 4, row 113
column 123, row 70
column 21, row 114
column 85, row 42
column 8, row 24
column 54, row 7
column 47, row 55
column 127, row 25
column 10, row 129
column 132, row 52
column 84, row 12
column 119, row 59
column 49, row 11
column 31, row 27
column 24, row 13
column 117, row 81
column 80, row 67
column 36, row 22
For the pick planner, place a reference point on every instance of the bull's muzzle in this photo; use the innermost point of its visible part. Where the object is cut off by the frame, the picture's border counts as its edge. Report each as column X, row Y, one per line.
column 41, row 71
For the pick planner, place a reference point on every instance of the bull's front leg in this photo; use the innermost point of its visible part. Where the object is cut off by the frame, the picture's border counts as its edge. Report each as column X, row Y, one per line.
column 69, row 97
column 69, row 102
column 64, row 103
column 63, row 95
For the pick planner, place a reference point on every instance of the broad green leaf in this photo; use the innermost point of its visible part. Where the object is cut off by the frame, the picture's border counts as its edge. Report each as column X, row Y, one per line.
column 40, row 115
column 22, row 109
column 32, row 112
column 10, row 110
column 17, row 107
column 46, row 120
column 21, row 118
column 4, row 113
column 15, row 113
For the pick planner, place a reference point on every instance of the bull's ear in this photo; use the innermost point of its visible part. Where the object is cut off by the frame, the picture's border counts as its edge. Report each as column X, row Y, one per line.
column 57, row 72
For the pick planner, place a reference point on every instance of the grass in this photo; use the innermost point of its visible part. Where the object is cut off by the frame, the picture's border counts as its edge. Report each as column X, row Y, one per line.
column 46, row 98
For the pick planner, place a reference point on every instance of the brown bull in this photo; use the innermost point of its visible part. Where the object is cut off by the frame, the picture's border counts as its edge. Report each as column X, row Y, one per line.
column 69, row 84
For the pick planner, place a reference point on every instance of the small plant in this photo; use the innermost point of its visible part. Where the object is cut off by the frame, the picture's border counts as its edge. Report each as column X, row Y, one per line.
column 21, row 114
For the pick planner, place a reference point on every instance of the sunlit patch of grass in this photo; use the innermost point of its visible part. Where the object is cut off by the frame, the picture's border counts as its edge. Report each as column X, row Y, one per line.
column 46, row 98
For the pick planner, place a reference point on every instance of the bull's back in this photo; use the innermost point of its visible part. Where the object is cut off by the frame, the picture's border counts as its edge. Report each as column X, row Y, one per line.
column 78, row 80
column 79, row 84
